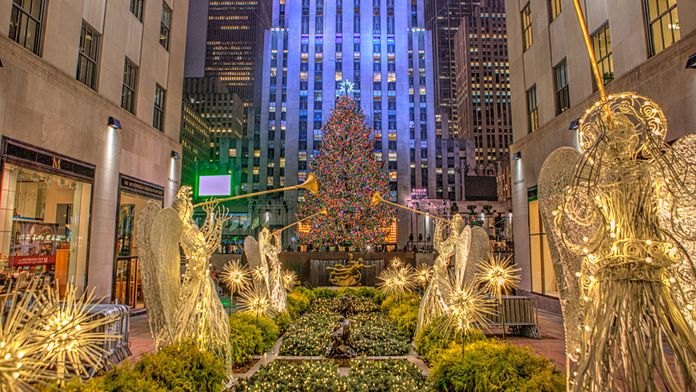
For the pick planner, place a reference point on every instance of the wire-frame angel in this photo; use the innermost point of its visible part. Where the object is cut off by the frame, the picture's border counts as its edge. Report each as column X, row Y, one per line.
column 621, row 222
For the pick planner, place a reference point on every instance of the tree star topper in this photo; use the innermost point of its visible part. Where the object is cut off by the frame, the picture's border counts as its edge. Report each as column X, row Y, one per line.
column 346, row 87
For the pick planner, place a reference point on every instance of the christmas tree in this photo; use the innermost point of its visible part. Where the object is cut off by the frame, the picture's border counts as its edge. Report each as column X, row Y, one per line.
column 348, row 175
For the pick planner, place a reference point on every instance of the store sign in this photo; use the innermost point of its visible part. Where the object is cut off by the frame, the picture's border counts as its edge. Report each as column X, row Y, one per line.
column 419, row 193
column 36, row 158
column 142, row 188
column 33, row 243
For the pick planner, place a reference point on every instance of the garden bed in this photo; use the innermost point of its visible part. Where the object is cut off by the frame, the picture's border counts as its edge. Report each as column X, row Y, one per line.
column 323, row 375
column 373, row 333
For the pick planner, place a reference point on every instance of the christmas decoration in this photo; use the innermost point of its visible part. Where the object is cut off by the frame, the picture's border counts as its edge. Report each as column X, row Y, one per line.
column 349, row 175
column 620, row 221
column 398, row 279
column 499, row 275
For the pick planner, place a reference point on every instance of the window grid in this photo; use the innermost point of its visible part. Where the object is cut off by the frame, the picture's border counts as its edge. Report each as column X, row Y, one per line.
column 601, row 42
column 130, row 83
column 532, row 110
column 555, row 8
column 663, row 24
column 136, row 8
column 165, row 25
column 562, row 89
column 88, row 56
column 26, row 24
column 158, row 114
column 527, row 39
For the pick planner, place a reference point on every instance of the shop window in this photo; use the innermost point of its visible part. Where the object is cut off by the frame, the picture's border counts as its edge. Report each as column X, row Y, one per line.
column 165, row 25
column 127, row 287
column 601, row 42
column 88, row 56
column 527, row 37
column 26, row 24
column 543, row 275
column 45, row 226
column 663, row 24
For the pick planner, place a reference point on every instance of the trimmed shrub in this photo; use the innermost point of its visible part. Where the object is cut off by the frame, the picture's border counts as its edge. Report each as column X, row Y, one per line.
column 435, row 338
column 183, row 367
column 123, row 378
column 249, row 336
column 298, row 303
column 495, row 366
column 405, row 316
column 306, row 292
column 268, row 328
column 394, row 300
column 283, row 321
column 323, row 292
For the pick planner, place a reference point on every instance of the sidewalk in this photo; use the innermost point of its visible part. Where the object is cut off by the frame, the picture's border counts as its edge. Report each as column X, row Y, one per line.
column 551, row 345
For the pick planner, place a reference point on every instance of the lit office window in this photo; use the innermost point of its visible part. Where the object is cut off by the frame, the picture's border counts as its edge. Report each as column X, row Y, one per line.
column 532, row 110
column 562, row 91
column 158, row 112
column 663, row 24
column 601, row 42
column 555, row 9
column 88, row 56
column 130, row 84
column 165, row 25
column 527, row 40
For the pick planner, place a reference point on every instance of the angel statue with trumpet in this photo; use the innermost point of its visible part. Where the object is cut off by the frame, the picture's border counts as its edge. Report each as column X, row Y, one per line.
column 621, row 217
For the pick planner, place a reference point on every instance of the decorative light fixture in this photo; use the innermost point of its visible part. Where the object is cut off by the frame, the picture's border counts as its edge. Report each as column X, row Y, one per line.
column 175, row 155
column 113, row 123
column 691, row 62
column 517, row 156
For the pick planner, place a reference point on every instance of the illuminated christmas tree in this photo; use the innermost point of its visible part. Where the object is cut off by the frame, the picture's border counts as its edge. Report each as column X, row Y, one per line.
column 349, row 174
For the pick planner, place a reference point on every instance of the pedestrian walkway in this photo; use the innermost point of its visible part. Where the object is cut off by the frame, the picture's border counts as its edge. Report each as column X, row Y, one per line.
column 551, row 345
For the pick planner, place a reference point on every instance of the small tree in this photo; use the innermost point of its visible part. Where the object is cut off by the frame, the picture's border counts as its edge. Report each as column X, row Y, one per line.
column 348, row 175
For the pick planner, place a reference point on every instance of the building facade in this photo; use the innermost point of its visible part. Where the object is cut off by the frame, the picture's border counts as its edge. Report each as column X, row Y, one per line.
column 443, row 18
column 483, row 85
column 641, row 46
column 223, row 111
column 233, row 49
column 195, row 143
column 384, row 49
column 90, row 119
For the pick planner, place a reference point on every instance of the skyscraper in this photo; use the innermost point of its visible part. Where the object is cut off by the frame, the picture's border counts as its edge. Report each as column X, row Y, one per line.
column 234, row 46
column 443, row 18
column 384, row 49
column 483, row 84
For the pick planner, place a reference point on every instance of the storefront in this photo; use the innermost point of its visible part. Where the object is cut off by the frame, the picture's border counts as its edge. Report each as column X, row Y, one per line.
column 133, row 197
column 45, row 204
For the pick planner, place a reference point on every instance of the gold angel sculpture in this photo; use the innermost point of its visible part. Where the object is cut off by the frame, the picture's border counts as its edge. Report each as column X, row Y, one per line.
column 182, row 308
column 622, row 229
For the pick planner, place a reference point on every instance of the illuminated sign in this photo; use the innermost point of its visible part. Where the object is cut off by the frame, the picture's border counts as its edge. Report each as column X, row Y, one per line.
column 419, row 193
column 220, row 185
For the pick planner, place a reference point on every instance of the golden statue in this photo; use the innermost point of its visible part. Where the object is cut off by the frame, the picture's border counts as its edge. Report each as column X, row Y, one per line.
column 349, row 274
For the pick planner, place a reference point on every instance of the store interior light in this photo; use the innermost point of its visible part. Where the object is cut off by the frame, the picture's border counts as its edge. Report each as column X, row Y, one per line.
column 175, row 155
column 113, row 123
column 574, row 125
column 691, row 62
column 517, row 156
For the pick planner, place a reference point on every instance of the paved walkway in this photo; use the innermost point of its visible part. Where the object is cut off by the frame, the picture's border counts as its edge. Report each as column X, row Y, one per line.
column 551, row 344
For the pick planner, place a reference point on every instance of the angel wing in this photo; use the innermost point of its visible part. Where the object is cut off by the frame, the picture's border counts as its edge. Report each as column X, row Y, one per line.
column 478, row 253
column 158, row 240
column 556, row 175
column 461, row 256
column 678, row 220
column 252, row 250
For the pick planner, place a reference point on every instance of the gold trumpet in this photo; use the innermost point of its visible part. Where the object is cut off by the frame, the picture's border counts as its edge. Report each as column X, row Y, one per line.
column 377, row 198
column 311, row 184
column 323, row 211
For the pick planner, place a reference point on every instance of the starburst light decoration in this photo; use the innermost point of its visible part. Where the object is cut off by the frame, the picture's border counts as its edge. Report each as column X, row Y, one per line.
column 236, row 276
column 289, row 279
column 398, row 279
column 256, row 302
column 468, row 308
column 71, row 336
column 499, row 276
column 423, row 272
